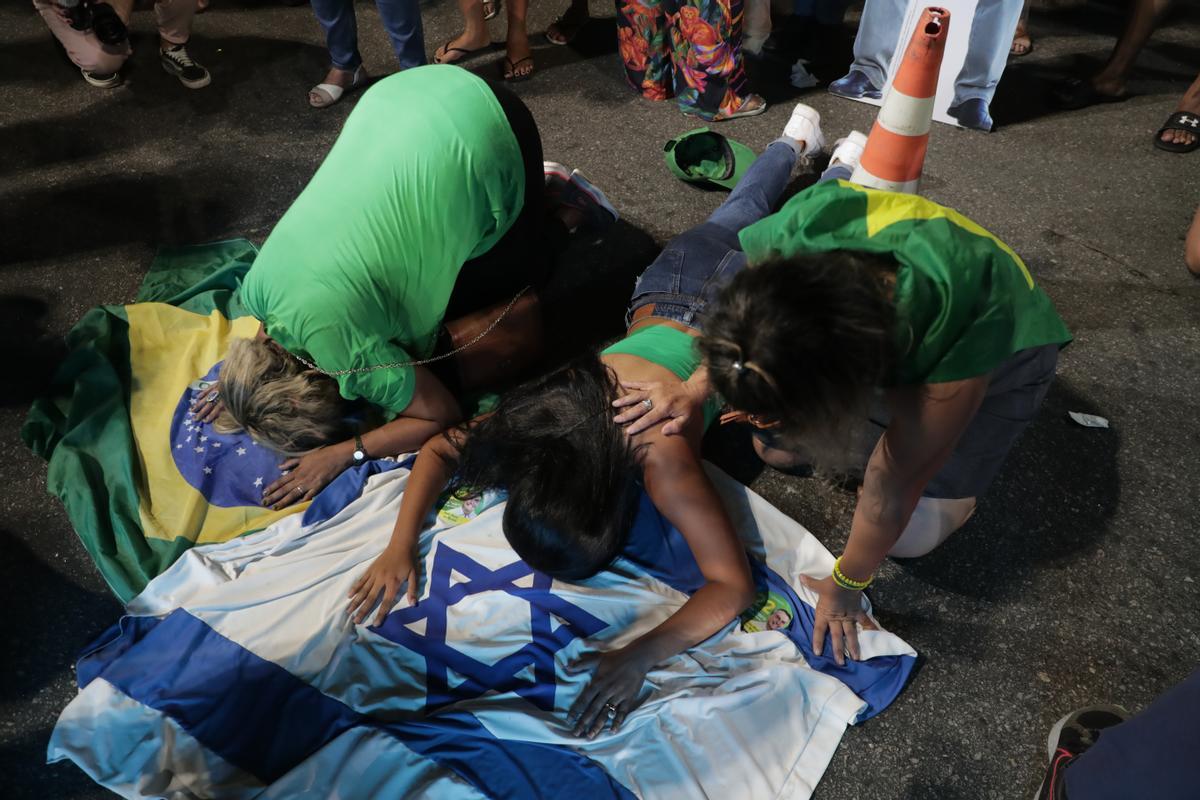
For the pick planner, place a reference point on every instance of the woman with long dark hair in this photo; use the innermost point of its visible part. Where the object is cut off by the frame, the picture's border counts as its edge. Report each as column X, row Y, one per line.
column 864, row 306
column 573, row 475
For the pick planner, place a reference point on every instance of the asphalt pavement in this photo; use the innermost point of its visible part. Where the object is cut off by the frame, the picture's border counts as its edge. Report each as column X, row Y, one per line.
column 1077, row 581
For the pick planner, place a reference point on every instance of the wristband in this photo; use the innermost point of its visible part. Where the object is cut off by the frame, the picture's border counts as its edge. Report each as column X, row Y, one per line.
column 841, row 580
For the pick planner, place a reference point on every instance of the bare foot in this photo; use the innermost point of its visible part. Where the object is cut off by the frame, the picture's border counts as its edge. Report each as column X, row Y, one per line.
column 564, row 29
column 1022, row 44
column 1190, row 105
column 1113, row 87
column 518, row 61
column 461, row 46
column 338, row 77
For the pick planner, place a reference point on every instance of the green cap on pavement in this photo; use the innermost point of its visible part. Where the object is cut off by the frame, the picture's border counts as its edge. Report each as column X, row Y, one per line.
column 706, row 157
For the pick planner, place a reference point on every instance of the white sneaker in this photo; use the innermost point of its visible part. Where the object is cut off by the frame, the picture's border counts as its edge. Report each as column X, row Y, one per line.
column 102, row 81
column 848, row 150
column 805, row 126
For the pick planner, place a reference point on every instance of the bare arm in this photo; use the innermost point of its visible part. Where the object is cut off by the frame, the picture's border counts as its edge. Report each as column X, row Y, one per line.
column 926, row 424
column 432, row 410
column 397, row 564
column 682, row 492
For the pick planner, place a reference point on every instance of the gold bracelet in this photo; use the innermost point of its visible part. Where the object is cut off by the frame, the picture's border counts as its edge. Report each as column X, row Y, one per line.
column 841, row 580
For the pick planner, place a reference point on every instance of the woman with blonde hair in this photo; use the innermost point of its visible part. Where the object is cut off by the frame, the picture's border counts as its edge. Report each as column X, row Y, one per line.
column 412, row 219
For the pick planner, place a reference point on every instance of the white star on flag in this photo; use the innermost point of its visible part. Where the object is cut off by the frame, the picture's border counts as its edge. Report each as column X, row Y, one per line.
column 241, row 451
column 216, row 444
column 198, row 449
column 204, row 438
column 258, row 481
column 208, row 470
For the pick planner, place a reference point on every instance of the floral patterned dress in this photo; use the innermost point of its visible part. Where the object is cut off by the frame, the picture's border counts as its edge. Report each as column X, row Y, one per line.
column 687, row 49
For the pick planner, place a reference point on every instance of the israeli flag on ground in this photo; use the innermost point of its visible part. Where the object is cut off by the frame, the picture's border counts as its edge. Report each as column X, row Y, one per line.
column 237, row 673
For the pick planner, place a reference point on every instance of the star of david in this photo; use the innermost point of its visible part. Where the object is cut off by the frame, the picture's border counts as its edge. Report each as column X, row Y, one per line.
column 481, row 677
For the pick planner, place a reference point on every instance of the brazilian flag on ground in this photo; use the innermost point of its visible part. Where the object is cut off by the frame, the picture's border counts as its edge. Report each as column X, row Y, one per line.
column 141, row 479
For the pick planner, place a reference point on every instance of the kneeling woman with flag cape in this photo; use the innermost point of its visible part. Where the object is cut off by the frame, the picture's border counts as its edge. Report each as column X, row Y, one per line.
column 429, row 206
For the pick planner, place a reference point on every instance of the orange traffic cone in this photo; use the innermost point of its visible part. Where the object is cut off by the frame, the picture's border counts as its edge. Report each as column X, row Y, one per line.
column 895, row 150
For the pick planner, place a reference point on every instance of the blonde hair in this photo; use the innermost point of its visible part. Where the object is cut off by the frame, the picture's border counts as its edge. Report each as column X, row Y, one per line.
column 278, row 401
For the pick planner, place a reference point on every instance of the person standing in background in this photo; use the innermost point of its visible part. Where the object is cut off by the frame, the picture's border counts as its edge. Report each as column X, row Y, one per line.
column 401, row 18
column 991, row 38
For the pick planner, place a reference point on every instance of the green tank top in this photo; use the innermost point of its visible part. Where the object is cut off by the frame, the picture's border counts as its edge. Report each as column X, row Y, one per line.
column 668, row 347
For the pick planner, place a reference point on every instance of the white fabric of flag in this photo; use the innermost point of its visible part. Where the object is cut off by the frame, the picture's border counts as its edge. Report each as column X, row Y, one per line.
column 237, row 672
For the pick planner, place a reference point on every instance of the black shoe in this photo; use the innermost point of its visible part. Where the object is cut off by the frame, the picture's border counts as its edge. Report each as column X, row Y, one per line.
column 177, row 62
column 1070, row 738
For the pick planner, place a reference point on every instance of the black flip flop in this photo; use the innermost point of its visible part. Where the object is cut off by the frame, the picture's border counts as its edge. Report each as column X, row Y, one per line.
column 508, row 70
column 466, row 54
column 1179, row 121
column 562, row 24
column 1078, row 93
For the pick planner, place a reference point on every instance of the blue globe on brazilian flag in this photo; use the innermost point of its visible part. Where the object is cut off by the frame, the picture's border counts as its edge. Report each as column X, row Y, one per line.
column 142, row 480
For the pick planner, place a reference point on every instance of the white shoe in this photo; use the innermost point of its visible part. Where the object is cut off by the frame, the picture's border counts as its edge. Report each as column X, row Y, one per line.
column 848, row 151
column 102, row 81
column 805, row 126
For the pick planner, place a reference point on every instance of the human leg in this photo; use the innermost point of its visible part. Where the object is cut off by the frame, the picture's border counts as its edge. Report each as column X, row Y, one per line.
column 1144, row 17
column 706, row 57
column 336, row 18
column 1185, row 132
column 1022, row 43
column 644, row 43
column 402, row 19
column 346, row 72
column 564, row 29
column 987, row 54
column 174, row 20
column 759, row 190
column 174, row 28
column 1152, row 754
column 518, row 56
column 1014, row 396
column 96, row 59
column 474, row 36
column 874, row 46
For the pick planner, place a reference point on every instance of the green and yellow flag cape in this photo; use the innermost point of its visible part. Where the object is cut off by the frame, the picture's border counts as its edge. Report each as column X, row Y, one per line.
column 142, row 480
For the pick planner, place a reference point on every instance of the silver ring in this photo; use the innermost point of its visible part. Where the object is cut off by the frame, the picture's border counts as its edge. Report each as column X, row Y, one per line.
column 611, row 709
column 648, row 403
column 212, row 398
column 298, row 488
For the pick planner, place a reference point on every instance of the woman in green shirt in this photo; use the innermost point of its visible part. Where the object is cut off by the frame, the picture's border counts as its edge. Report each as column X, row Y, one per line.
column 571, row 472
column 429, row 205
column 869, row 304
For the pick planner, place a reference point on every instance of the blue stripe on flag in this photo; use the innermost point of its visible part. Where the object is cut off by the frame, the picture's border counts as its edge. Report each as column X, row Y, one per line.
column 347, row 487
column 261, row 718
column 656, row 547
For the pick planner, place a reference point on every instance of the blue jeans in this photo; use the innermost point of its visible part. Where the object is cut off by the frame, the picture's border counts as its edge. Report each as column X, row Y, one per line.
column 987, row 50
column 694, row 267
column 401, row 18
column 696, row 264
